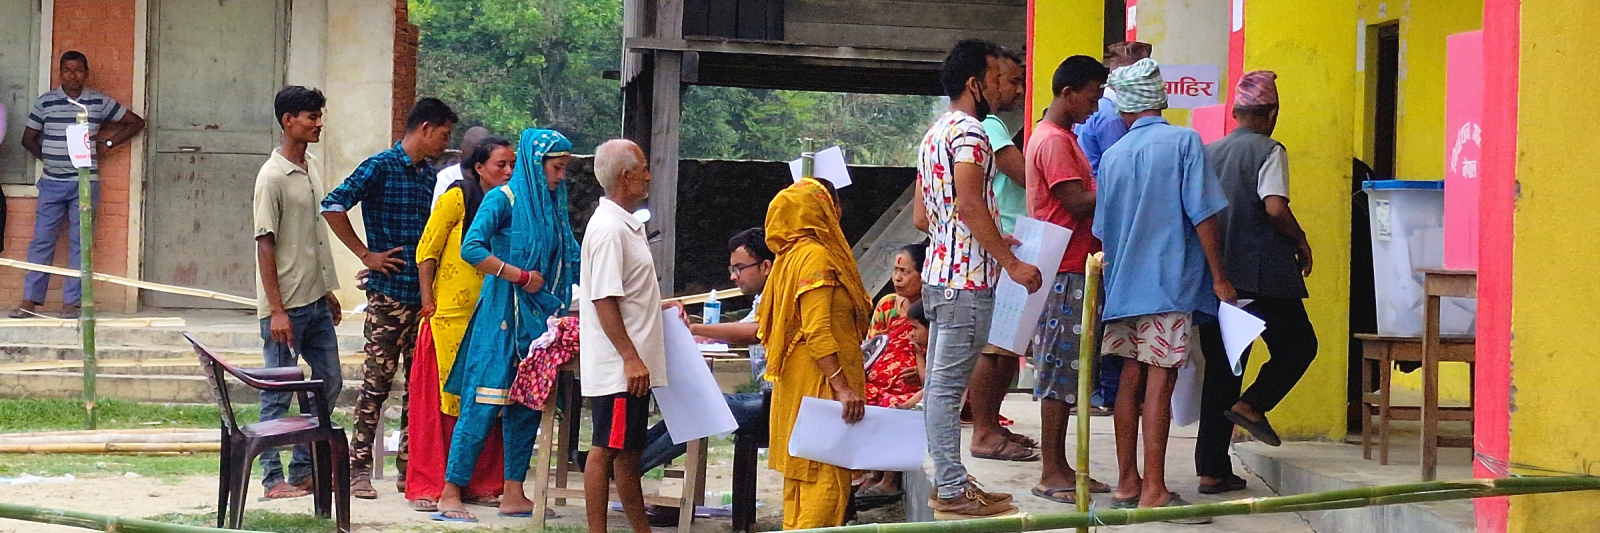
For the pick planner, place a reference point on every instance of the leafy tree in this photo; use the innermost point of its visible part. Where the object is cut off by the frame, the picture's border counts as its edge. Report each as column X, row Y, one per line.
column 514, row 64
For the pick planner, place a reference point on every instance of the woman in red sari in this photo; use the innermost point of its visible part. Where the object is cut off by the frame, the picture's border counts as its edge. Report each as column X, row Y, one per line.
column 894, row 379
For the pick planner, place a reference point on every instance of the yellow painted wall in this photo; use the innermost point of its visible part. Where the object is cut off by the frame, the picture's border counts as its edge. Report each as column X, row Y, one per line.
column 1063, row 28
column 1420, row 135
column 1317, row 85
column 1554, row 423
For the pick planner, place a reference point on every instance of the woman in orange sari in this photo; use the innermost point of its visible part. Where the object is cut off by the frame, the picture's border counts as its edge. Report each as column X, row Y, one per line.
column 812, row 323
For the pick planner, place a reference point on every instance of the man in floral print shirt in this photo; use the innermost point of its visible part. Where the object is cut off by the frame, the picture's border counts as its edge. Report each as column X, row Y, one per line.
column 955, row 169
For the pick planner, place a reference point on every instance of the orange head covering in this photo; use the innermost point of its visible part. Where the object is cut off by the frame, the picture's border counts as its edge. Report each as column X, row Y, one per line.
column 803, row 231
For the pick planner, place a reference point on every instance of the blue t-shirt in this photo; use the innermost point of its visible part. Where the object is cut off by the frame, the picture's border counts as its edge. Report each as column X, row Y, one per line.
column 1103, row 129
column 1154, row 188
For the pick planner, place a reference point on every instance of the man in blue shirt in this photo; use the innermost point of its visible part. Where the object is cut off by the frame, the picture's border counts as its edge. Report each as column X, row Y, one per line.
column 1155, row 215
column 395, row 190
column 1103, row 129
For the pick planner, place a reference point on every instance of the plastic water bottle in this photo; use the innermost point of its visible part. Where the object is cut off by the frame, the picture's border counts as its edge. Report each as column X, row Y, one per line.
column 713, row 309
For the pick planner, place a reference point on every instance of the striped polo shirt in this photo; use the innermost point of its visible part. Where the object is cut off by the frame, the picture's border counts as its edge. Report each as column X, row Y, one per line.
column 52, row 113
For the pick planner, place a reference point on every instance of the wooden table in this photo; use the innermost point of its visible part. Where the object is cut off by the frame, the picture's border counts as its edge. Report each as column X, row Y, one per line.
column 1437, row 283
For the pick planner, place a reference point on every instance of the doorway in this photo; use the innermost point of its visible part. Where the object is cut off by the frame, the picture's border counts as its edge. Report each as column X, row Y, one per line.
column 1363, row 302
column 214, row 69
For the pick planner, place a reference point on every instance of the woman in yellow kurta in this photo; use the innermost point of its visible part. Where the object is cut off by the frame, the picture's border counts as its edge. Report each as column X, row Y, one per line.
column 450, row 290
column 812, row 330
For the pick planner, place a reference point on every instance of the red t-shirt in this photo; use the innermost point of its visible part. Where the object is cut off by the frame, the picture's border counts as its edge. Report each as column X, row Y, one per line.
column 1053, row 157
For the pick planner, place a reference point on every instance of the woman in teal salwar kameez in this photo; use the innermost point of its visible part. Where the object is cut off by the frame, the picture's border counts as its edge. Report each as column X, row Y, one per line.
column 521, row 237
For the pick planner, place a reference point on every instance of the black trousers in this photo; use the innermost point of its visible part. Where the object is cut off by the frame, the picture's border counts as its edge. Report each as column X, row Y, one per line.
column 1293, row 343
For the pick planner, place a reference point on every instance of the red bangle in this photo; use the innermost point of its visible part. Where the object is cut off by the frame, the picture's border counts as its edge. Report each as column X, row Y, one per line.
column 523, row 278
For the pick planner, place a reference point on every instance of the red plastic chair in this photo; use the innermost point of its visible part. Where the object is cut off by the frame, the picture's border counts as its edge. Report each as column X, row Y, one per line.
column 330, row 450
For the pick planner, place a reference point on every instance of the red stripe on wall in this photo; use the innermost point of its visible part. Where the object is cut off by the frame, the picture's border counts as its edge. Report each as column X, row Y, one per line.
column 1502, row 41
column 1132, row 17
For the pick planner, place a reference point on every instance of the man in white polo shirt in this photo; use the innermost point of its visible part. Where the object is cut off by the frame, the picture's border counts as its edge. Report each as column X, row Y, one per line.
column 621, row 356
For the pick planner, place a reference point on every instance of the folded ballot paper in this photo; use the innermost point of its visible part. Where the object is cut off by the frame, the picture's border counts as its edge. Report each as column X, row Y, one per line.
column 884, row 439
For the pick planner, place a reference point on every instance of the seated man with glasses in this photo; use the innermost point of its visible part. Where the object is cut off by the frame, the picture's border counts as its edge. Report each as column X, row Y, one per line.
column 749, row 262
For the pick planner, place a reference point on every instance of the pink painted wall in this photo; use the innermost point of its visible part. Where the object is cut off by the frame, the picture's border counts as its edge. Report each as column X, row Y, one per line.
column 1463, row 119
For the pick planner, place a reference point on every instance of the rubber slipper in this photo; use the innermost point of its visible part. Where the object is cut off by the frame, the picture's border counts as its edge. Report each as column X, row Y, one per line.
column 1097, row 487
column 444, row 516
column 1129, row 503
column 1178, row 501
column 283, row 491
column 20, row 313
column 521, row 514
column 482, row 501
column 363, row 489
column 1023, row 440
column 424, row 505
column 1227, row 484
column 1261, row 429
column 1050, row 494
column 1010, row 451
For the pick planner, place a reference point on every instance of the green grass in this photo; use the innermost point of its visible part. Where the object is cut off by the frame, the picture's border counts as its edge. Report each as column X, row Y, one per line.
column 55, row 414
column 166, row 468
column 258, row 520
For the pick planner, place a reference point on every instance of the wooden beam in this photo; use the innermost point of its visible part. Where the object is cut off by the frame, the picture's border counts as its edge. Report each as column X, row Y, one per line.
column 665, row 114
column 875, row 257
column 774, row 48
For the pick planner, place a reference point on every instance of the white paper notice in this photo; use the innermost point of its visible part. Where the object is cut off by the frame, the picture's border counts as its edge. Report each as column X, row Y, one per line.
column 1016, row 313
column 1191, row 86
column 691, row 404
column 884, row 439
column 78, row 146
column 1239, row 330
column 827, row 164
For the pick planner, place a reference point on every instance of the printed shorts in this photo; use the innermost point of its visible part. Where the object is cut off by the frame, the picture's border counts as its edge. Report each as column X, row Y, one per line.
column 1057, row 340
column 1160, row 340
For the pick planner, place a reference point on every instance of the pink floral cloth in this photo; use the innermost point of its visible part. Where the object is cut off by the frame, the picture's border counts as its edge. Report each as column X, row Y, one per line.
column 536, row 374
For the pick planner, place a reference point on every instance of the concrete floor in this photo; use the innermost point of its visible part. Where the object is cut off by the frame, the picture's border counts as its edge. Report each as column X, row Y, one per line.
column 1019, row 478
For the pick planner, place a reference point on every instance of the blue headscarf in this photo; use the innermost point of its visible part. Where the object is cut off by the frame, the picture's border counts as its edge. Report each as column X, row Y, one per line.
column 541, row 214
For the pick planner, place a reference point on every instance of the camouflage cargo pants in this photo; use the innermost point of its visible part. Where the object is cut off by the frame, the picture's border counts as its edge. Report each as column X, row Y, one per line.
column 391, row 331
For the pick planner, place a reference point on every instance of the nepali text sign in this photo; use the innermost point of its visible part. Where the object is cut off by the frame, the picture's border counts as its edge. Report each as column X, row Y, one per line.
column 1191, row 86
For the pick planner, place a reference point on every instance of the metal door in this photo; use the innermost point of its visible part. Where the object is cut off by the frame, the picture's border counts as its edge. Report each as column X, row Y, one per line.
column 215, row 66
column 19, row 67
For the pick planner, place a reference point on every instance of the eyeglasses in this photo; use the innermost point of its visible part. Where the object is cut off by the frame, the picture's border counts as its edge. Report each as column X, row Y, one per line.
column 734, row 270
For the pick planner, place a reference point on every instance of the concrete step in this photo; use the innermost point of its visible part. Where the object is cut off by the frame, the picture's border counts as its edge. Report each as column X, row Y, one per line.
column 141, row 388
column 15, row 357
column 214, row 338
column 1307, row 467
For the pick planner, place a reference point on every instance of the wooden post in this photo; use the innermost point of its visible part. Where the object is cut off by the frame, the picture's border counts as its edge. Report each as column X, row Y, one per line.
column 666, row 110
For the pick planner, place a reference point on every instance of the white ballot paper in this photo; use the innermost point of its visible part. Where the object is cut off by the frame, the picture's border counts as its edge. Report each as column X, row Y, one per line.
column 1016, row 313
column 884, row 439
column 691, row 403
column 827, row 164
column 78, row 146
column 1239, row 330
column 1191, row 381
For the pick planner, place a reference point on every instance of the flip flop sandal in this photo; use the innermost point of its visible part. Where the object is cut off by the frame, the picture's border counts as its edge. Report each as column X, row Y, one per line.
column 460, row 517
column 1050, row 494
column 1024, row 440
column 1228, row 484
column 548, row 514
column 1261, row 429
column 1178, row 501
column 482, row 501
column 1129, row 503
column 283, row 491
column 424, row 505
column 20, row 313
column 1010, row 451
column 1097, row 487
column 363, row 489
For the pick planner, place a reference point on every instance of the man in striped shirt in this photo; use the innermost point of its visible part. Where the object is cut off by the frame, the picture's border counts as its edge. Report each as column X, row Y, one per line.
column 110, row 125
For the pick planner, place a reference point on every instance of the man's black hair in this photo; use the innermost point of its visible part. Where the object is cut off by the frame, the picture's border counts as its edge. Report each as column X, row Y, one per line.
column 74, row 55
column 968, row 59
column 917, row 314
column 1259, row 111
column 294, row 99
column 431, row 111
column 754, row 242
column 1076, row 72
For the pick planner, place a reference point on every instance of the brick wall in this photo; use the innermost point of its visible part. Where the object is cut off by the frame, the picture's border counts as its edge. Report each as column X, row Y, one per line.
column 405, row 68
column 103, row 31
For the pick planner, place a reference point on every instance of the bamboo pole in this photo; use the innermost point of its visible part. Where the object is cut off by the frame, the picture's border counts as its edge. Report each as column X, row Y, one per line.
column 140, row 284
column 1086, row 359
column 99, row 522
column 1323, row 501
column 86, row 275
column 113, row 447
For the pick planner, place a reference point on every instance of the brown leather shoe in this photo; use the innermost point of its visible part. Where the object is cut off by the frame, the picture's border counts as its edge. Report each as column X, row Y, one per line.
column 968, row 505
column 996, row 497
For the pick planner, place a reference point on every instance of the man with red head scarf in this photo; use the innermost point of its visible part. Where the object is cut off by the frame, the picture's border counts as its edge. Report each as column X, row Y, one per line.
column 1268, row 258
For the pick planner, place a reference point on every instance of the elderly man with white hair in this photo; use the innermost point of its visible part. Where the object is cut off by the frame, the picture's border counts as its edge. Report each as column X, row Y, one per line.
column 622, row 355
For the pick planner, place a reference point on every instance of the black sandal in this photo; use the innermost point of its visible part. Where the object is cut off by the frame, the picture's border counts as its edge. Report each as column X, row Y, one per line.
column 1260, row 429
column 1227, row 484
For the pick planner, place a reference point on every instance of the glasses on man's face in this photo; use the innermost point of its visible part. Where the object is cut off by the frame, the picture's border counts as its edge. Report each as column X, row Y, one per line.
column 735, row 269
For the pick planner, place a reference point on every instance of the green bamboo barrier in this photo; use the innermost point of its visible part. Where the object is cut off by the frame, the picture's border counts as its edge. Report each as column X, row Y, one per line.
column 98, row 522
column 1087, row 348
column 1321, row 501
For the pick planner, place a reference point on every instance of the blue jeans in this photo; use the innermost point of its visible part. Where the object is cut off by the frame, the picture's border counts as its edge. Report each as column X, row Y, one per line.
column 317, row 343
column 746, row 407
column 57, row 203
column 958, row 331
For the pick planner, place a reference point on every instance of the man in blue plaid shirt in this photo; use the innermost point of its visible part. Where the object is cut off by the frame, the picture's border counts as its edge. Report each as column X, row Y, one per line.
column 395, row 191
